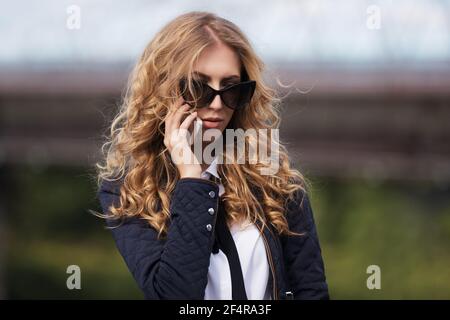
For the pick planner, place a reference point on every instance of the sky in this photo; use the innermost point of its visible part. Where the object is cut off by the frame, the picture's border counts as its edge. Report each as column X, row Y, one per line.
column 51, row 32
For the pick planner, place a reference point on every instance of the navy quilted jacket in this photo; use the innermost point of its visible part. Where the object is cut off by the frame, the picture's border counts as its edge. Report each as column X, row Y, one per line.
column 176, row 267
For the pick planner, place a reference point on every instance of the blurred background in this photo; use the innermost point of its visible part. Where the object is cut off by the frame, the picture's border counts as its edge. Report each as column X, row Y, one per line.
column 366, row 117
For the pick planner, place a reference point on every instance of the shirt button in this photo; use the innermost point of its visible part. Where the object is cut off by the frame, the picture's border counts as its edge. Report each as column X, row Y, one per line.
column 208, row 227
column 212, row 194
column 211, row 211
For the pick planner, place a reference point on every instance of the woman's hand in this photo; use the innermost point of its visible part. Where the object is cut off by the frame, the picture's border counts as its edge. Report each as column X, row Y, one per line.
column 176, row 140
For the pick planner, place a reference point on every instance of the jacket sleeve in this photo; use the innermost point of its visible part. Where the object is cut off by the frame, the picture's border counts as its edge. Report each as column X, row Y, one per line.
column 175, row 267
column 302, row 254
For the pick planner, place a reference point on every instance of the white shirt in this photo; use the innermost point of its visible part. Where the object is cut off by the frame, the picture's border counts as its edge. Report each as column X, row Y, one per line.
column 252, row 256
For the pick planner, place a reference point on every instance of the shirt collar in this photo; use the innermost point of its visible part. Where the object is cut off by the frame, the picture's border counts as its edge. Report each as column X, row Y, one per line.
column 212, row 169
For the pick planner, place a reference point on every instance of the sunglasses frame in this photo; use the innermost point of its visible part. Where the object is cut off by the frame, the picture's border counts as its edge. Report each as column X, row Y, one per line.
column 220, row 92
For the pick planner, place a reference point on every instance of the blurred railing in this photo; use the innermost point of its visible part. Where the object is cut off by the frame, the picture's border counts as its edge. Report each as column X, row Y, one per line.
column 388, row 123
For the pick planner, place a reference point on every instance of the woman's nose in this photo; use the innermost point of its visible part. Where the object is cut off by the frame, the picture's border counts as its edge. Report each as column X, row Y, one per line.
column 216, row 103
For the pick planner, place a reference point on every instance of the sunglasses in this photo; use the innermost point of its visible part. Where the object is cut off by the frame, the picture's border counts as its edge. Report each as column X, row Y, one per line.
column 235, row 96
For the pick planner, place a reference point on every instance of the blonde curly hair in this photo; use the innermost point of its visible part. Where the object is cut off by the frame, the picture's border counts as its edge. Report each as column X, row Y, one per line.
column 135, row 153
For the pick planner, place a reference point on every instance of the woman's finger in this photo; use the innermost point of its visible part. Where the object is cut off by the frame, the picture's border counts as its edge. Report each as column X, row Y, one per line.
column 178, row 103
column 189, row 119
column 169, row 122
column 176, row 120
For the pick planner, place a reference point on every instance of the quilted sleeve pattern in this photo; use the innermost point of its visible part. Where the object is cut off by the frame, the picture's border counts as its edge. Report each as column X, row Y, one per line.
column 175, row 267
column 302, row 254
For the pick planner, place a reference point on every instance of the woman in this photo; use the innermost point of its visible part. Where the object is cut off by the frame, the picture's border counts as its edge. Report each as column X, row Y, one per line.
column 206, row 229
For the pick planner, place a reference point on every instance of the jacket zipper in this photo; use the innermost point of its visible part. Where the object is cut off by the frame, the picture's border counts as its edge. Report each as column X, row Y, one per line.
column 269, row 254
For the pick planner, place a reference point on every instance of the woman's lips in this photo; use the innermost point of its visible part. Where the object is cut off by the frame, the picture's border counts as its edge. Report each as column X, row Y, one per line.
column 212, row 124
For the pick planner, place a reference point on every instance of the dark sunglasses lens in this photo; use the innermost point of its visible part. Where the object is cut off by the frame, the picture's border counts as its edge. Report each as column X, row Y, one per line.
column 201, row 95
column 238, row 96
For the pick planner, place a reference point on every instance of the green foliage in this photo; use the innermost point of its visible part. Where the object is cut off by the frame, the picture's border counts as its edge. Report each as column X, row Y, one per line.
column 402, row 227
column 50, row 229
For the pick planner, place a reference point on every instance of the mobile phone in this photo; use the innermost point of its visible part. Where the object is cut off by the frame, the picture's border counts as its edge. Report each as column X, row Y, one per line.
column 197, row 134
column 198, row 124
